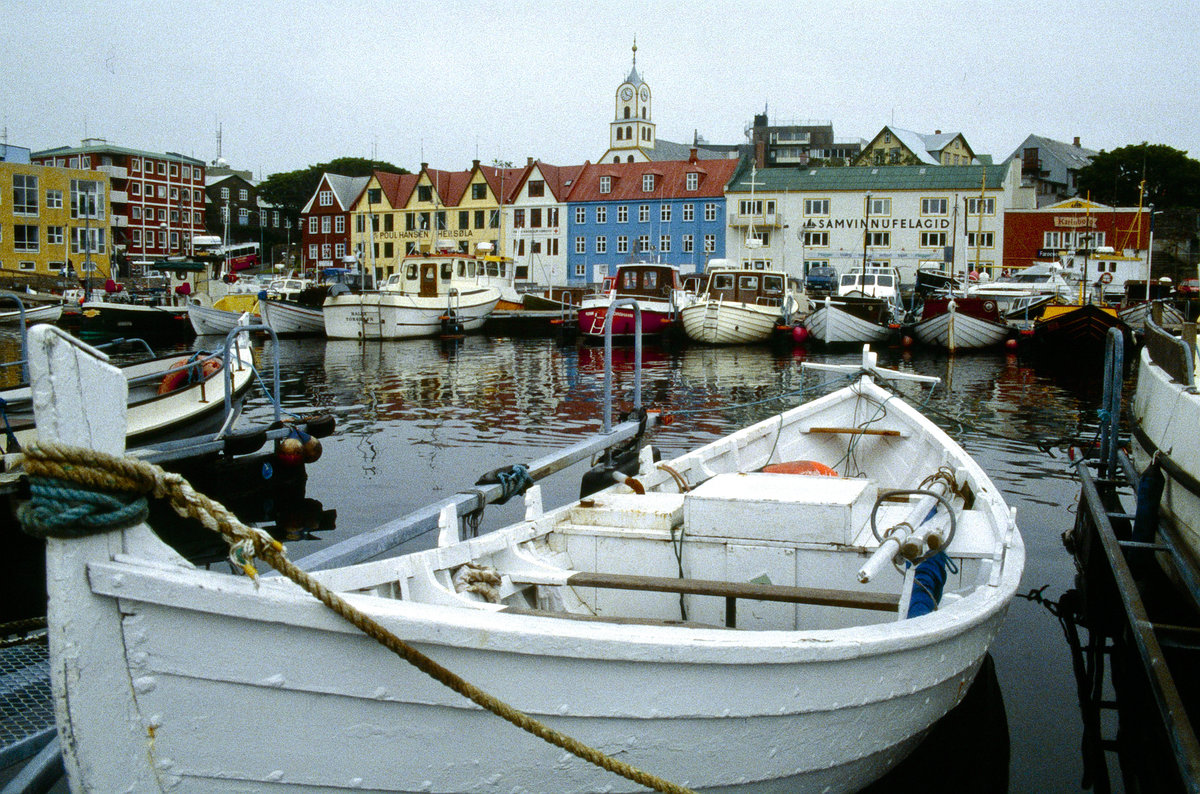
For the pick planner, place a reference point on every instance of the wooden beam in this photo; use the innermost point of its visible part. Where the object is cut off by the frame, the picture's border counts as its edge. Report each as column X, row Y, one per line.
column 851, row 599
column 857, row 431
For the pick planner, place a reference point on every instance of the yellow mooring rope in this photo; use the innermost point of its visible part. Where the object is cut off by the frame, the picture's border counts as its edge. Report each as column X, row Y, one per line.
column 109, row 473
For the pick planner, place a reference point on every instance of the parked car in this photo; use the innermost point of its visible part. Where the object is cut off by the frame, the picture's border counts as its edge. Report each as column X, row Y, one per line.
column 821, row 279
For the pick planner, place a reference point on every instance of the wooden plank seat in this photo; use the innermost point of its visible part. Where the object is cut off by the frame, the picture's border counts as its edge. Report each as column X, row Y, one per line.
column 858, row 431
column 730, row 591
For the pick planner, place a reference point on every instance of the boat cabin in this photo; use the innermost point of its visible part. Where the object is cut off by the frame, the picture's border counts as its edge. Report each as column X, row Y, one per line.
column 873, row 282
column 747, row 286
column 1139, row 291
column 643, row 280
column 431, row 276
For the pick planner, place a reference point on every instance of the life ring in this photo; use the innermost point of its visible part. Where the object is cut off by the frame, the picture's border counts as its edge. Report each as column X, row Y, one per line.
column 989, row 306
column 1106, row 278
column 808, row 467
column 180, row 374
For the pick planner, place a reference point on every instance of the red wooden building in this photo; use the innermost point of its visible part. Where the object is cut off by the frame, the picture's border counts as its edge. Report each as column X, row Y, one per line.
column 1070, row 228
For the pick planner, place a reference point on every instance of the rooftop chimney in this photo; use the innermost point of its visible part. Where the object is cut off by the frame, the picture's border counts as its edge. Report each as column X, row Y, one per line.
column 528, row 162
column 937, row 132
column 1077, row 141
column 424, row 166
column 692, row 157
column 474, row 163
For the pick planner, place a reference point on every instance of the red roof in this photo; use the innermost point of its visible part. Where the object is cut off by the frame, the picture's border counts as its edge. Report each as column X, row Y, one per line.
column 397, row 187
column 670, row 180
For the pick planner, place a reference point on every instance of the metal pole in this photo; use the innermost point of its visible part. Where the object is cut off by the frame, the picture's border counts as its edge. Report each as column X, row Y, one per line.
column 637, row 357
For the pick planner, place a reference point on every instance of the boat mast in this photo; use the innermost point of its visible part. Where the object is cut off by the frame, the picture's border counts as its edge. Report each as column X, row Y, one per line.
column 953, row 244
column 979, row 222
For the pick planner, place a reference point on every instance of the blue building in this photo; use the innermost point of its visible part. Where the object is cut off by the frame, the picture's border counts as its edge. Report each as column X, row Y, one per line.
column 661, row 211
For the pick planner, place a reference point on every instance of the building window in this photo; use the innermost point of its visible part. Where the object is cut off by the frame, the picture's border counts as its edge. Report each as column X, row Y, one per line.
column 664, row 243
column 243, row 216
column 135, row 164
column 339, row 250
column 622, row 214
column 816, row 239
column 326, row 198
column 90, row 241
column 535, row 218
column 602, row 245
column 622, row 244
column 693, row 181
column 479, row 191
column 312, row 251
column 424, row 193
column 756, row 207
column 643, row 213
column 688, row 244
column 710, row 212
column 174, row 194
column 25, row 194
column 664, row 213
column 162, row 167
column 137, row 238
column 816, row 207
column 478, row 219
column 339, row 224
column 880, row 206
column 135, row 188
column 933, row 239
column 689, row 213
column 985, row 206
column 26, row 265
column 224, row 194
column 933, row 206
column 54, row 199
column 581, row 214
column 518, row 219
column 537, row 188
column 325, row 250
column 25, row 238
column 601, row 214
column 710, row 243
column 643, row 243
column 464, row 219
column 313, row 221
column 149, row 239
column 326, row 224
column 580, row 271
column 879, row 239
column 580, row 245
column 606, row 184
column 980, row 239
column 647, row 183
column 243, row 195
column 174, row 169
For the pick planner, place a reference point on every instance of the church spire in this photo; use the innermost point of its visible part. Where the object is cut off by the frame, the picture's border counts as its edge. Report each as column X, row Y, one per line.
column 634, row 77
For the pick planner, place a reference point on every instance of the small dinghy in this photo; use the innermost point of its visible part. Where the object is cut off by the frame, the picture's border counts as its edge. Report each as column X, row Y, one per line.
column 718, row 621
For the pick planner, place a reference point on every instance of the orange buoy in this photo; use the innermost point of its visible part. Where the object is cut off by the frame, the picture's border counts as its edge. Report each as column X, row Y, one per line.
column 809, row 467
column 175, row 377
column 289, row 451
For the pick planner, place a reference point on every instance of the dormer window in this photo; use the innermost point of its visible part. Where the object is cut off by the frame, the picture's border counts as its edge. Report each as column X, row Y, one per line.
column 606, row 184
column 693, row 181
column 647, row 183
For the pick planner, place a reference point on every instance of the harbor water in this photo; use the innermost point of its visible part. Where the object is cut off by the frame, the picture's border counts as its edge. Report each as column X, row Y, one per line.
column 420, row 420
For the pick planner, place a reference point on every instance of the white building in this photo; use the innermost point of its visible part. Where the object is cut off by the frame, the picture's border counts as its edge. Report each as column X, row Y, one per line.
column 886, row 215
column 535, row 221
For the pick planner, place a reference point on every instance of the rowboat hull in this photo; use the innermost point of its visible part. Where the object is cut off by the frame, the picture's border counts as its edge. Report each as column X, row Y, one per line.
column 804, row 696
column 728, row 322
column 33, row 314
column 392, row 315
column 831, row 323
column 962, row 324
column 292, row 319
column 1166, row 413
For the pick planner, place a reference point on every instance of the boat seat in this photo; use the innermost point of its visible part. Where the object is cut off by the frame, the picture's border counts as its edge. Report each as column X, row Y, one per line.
column 859, row 431
column 626, row 621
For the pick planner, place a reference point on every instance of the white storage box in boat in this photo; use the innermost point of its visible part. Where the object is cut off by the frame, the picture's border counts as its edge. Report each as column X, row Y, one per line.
column 659, row 511
column 782, row 507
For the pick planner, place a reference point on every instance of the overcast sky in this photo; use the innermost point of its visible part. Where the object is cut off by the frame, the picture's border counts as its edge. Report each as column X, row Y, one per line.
column 296, row 83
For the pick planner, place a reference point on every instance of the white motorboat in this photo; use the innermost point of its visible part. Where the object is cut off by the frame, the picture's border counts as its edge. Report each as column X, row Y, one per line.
column 286, row 317
column 432, row 294
column 164, row 395
column 608, row 619
column 738, row 307
column 1022, row 294
column 1166, row 413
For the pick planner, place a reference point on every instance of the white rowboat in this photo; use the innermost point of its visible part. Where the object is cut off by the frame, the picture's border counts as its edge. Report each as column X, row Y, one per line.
column 290, row 318
column 167, row 677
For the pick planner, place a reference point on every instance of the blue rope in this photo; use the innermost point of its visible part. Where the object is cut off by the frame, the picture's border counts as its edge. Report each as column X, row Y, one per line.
column 512, row 482
column 60, row 509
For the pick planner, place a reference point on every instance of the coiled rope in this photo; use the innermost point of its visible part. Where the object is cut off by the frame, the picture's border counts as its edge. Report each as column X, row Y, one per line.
column 108, row 473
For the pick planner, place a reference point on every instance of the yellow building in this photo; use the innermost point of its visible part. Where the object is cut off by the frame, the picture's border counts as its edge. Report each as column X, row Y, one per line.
column 429, row 211
column 53, row 219
column 894, row 146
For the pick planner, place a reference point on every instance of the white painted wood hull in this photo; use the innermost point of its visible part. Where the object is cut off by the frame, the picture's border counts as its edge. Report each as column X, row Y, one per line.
column 728, row 322
column 171, row 678
column 207, row 321
column 390, row 315
column 287, row 318
column 1166, row 415
column 953, row 330
column 831, row 325
column 1135, row 316
column 33, row 314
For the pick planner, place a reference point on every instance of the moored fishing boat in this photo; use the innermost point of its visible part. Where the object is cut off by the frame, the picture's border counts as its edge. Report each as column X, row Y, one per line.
column 851, row 319
column 817, row 689
column 287, row 317
column 657, row 289
column 738, row 306
column 960, row 323
column 1075, row 332
column 431, row 294
column 223, row 315
column 46, row 313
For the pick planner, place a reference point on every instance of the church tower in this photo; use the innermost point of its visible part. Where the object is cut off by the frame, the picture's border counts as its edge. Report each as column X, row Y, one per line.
column 631, row 133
